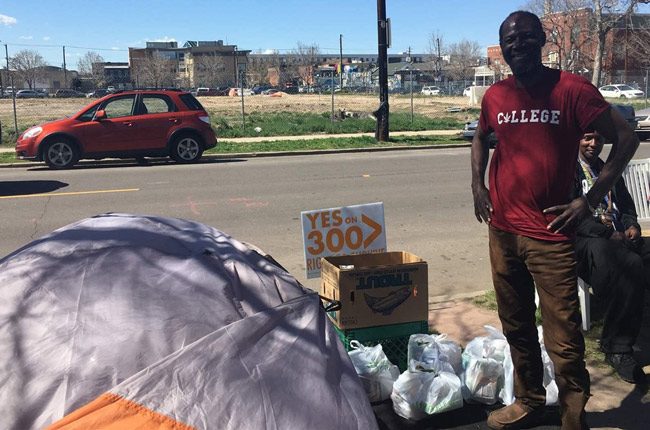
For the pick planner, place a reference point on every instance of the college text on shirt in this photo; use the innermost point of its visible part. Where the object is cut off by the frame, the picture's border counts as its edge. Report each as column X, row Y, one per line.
column 522, row 116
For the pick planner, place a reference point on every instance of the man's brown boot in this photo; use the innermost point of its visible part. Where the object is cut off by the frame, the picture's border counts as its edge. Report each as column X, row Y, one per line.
column 514, row 417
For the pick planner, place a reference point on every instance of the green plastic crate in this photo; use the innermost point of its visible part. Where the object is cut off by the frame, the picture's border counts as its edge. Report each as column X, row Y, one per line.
column 394, row 339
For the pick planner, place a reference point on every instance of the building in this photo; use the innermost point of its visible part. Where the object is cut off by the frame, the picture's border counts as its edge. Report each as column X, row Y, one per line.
column 49, row 78
column 113, row 74
column 572, row 44
column 195, row 64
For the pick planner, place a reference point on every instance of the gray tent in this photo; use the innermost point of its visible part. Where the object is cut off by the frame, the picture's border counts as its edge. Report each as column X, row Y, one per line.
column 122, row 320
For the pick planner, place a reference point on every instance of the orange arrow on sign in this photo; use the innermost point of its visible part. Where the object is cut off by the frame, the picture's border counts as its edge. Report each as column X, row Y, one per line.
column 375, row 227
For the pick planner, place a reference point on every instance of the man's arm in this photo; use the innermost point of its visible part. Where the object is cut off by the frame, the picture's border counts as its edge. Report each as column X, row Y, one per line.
column 616, row 131
column 480, row 152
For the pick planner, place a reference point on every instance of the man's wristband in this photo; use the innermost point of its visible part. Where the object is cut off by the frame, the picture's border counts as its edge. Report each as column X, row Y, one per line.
column 591, row 208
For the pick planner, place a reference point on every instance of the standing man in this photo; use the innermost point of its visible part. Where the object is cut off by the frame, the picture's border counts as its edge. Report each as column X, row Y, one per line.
column 539, row 115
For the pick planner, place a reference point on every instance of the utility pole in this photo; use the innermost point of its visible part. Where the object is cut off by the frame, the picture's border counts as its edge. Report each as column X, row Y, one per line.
column 65, row 73
column 341, row 61
column 382, row 113
column 410, row 61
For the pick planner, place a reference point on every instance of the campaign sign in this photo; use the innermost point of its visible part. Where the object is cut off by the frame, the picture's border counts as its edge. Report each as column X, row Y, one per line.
column 348, row 230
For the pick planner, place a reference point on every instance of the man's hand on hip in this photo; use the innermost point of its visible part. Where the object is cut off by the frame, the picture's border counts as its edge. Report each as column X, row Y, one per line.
column 569, row 215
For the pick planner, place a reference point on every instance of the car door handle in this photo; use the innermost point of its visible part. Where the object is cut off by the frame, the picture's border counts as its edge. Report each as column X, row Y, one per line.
column 128, row 124
column 174, row 120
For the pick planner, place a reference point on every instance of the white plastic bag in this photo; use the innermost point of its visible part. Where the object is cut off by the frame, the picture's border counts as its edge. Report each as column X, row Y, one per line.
column 506, row 396
column 376, row 372
column 483, row 376
column 434, row 352
column 417, row 395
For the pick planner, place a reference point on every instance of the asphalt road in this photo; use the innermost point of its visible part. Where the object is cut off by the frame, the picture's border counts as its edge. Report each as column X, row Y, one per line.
column 426, row 196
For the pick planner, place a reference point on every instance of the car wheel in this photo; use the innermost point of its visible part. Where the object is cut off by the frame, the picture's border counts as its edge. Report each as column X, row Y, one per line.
column 61, row 154
column 186, row 148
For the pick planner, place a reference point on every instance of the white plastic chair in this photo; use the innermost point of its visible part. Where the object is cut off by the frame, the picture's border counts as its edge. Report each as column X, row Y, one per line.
column 637, row 180
column 585, row 303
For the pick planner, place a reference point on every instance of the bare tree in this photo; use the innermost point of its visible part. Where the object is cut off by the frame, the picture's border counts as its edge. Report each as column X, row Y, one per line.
column 578, row 46
column 28, row 66
column 283, row 67
column 211, row 71
column 89, row 67
column 638, row 46
column 435, row 50
column 307, row 59
column 608, row 15
column 569, row 30
column 154, row 71
column 258, row 68
column 463, row 57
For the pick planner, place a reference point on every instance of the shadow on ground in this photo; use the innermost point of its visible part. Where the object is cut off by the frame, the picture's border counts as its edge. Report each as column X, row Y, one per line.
column 20, row 188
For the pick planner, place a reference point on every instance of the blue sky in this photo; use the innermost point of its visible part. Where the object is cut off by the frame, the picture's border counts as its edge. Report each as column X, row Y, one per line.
column 110, row 27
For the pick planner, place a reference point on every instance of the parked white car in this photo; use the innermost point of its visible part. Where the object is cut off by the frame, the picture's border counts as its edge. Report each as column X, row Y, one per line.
column 620, row 91
column 431, row 91
column 643, row 124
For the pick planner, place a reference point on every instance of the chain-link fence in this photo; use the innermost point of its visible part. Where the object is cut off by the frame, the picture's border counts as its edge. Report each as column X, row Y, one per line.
column 60, row 91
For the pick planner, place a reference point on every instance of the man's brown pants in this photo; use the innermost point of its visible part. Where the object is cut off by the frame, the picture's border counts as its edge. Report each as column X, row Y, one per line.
column 519, row 265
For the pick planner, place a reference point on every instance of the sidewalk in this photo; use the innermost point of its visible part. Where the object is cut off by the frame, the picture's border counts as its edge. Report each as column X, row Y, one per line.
column 614, row 404
column 256, row 139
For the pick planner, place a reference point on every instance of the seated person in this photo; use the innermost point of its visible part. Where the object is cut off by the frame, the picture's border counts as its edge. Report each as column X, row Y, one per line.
column 615, row 260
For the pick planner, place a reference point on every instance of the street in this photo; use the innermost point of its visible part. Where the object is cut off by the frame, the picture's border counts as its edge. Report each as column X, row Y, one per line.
column 426, row 196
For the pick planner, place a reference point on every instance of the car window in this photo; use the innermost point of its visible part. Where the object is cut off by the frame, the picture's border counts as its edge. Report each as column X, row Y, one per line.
column 89, row 114
column 154, row 103
column 119, row 107
column 191, row 102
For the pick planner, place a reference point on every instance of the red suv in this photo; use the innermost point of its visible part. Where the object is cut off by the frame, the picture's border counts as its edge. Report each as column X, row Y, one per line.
column 129, row 124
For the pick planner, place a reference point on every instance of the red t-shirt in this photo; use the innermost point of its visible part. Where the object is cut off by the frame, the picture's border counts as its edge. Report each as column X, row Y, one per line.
column 538, row 131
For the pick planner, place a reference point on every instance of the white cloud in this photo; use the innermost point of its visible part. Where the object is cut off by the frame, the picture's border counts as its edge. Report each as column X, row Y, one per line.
column 162, row 39
column 114, row 48
column 270, row 51
column 7, row 20
column 46, row 38
column 26, row 37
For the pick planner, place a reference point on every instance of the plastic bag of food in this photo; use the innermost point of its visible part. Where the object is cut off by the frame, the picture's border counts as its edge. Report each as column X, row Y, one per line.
column 507, row 397
column 425, row 351
column 417, row 395
column 376, row 372
column 483, row 376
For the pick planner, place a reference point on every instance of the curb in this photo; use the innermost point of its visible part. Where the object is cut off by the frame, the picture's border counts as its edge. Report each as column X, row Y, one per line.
column 228, row 156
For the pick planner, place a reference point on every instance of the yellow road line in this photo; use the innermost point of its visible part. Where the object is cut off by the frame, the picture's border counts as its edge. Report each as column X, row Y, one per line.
column 72, row 193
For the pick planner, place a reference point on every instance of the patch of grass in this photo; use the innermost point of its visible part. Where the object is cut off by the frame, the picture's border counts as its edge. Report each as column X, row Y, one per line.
column 332, row 143
column 593, row 356
column 295, row 124
column 8, row 157
column 486, row 301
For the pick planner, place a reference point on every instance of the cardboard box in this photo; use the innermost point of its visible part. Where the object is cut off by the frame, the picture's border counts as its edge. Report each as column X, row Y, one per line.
column 376, row 289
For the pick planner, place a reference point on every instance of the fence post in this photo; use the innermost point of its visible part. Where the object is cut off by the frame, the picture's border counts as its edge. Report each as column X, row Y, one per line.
column 13, row 91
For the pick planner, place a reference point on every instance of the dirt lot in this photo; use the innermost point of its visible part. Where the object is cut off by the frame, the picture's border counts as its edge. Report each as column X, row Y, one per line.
column 35, row 111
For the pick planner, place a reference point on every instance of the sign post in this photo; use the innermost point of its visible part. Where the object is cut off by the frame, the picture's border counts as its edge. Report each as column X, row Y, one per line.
column 345, row 230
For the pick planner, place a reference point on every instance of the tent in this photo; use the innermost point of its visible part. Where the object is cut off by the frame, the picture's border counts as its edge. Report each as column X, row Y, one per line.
column 124, row 321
